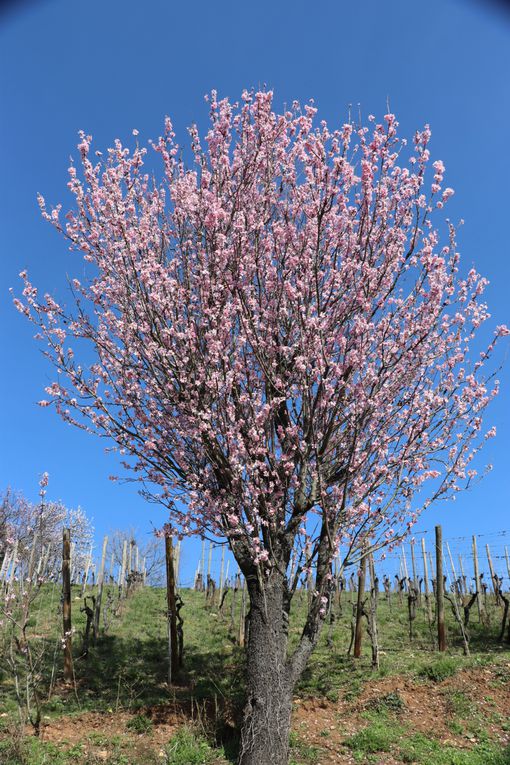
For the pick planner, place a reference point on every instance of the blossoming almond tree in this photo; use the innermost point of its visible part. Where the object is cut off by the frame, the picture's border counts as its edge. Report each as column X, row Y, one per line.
column 36, row 529
column 282, row 351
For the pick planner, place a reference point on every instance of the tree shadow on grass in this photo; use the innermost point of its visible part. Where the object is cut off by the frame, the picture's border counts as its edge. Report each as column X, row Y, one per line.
column 125, row 673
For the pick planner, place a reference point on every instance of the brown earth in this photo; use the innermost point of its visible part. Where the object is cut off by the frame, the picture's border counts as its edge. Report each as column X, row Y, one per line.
column 426, row 708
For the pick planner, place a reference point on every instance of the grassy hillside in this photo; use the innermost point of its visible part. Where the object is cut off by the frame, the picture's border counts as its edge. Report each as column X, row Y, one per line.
column 417, row 707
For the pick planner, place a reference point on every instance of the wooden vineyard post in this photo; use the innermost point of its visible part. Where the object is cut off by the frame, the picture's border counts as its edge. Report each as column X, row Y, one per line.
column 441, row 632
column 454, row 573
column 208, row 590
column 372, row 615
column 130, row 558
column 309, row 584
column 477, row 581
column 359, row 607
column 233, row 604
column 416, row 582
column 100, row 582
column 86, row 573
column 426, row 584
column 405, row 571
column 173, row 653
column 31, row 562
column 222, row 570
column 340, row 580
column 71, row 562
column 456, row 596
column 292, row 567
column 123, row 569
column 66, row 605
column 242, row 615
column 463, row 576
column 495, row 590
column 14, row 562
column 5, row 565
column 43, row 563
column 202, row 567
column 177, row 563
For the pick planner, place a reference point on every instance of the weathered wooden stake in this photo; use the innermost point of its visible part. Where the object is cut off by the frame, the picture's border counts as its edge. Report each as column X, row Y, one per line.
column 222, row 570
column 242, row 616
column 86, row 573
column 130, row 557
column 372, row 614
column 5, row 565
column 177, row 563
column 359, row 607
column 71, row 562
column 173, row 648
column 404, row 563
column 123, row 569
column 495, row 589
column 452, row 567
column 441, row 630
column 235, row 587
column 202, row 568
column 111, row 567
column 463, row 575
column 66, row 606
column 209, row 561
column 426, row 582
column 479, row 601
column 45, row 559
column 416, row 582
column 100, row 582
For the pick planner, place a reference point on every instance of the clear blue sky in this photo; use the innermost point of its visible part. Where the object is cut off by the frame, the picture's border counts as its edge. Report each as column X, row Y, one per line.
column 109, row 67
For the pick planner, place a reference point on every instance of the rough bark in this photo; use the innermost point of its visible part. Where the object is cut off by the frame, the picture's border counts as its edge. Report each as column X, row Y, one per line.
column 269, row 680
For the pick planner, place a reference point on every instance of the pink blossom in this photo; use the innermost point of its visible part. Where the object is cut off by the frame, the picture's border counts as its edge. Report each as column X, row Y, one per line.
column 282, row 337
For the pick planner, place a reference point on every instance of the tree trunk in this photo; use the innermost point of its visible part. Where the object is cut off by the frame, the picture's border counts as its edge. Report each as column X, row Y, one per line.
column 266, row 724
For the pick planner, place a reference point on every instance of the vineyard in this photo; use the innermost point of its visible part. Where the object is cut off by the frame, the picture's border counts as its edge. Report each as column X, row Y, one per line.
column 99, row 666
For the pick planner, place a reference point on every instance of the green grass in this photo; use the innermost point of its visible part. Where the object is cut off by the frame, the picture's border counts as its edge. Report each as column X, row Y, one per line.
column 187, row 747
column 439, row 669
column 389, row 702
column 140, row 724
column 379, row 736
column 126, row 671
column 190, row 747
column 385, row 735
column 302, row 753
column 425, row 751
